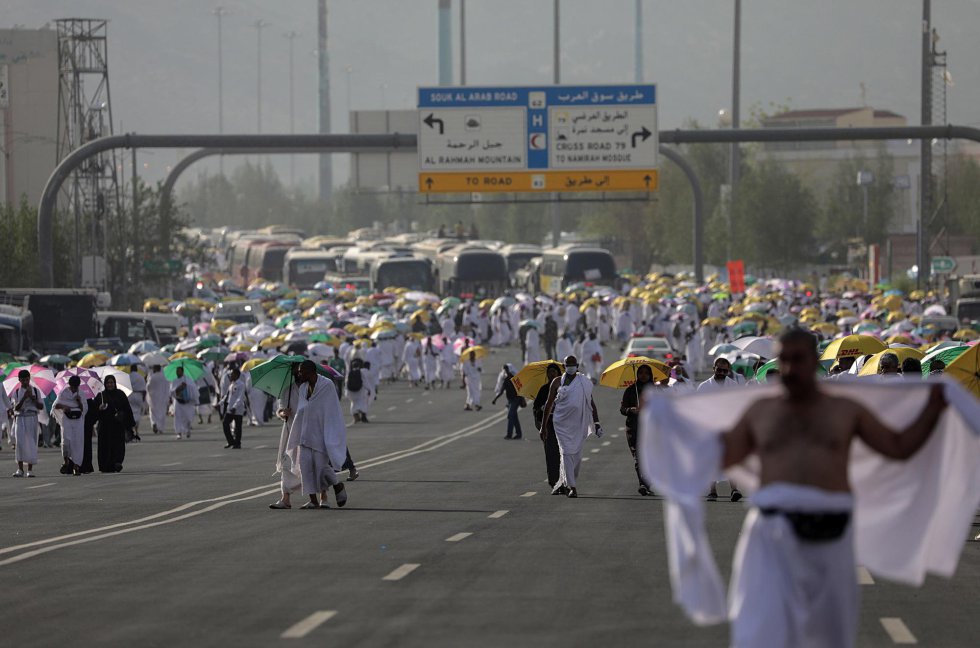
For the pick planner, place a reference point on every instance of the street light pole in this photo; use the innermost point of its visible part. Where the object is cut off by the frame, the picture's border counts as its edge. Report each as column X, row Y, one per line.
column 349, row 69
column 925, row 153
column 734, row 170
column 291, row 36
column 259, row 25
column 218, row 13
column 556, row 69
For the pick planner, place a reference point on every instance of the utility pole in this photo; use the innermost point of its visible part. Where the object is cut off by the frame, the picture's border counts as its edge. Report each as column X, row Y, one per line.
column 925, row 156
column 259, row 25
column 218, row 13
column 291, row 36
column 638, row 42
column 323, row 103
column 556, row 68
column 462, row 42
column 445, row 44
column 734, row 170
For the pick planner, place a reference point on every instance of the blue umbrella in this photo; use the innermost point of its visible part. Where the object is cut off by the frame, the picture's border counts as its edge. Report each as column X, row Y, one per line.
column 123, row 360
column 145, row 346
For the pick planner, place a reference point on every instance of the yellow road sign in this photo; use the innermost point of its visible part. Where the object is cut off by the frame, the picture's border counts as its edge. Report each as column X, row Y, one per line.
column 539, row 181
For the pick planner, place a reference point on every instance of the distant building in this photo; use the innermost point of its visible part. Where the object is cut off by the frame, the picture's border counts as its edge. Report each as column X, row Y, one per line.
column 817, row 163
column 28, row 112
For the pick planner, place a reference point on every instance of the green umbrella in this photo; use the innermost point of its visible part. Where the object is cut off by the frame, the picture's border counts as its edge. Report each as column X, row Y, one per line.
column 744, row 328
column 946, row 355
column 773, row 365
column 193, row 369
column 275, row 374
column 7, row 357
column 213, row 354
column 55, row 358
column 325, row 338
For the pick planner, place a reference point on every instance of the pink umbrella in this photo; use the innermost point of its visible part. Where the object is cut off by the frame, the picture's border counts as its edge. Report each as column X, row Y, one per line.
column 201, row 328
column 434, row 340
column 461, row 343
column 41, row 377
column 88, row 386
column 339, row 332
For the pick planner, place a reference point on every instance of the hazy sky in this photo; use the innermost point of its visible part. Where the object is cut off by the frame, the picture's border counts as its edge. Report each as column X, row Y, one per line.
column 805, row 53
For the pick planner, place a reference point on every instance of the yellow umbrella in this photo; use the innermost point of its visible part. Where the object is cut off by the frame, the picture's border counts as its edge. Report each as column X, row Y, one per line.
column 900, row 339
column 478, row 351
column 826, row 328
column 274, row 341
column 966, row 369
column 183, row 354
column 852, row 346
column 251, row 364
column 486, row 303
column 622, row 373
column 846, row 312
column 892, row 303
column 870, row 367
column 966, row 335
column 592, row 302
column 94, row 359
column 713, row 321
column 532, row 377
column 219, row 325
column 241, row 346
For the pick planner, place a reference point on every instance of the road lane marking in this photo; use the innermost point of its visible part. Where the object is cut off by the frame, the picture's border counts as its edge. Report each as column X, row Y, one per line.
column 117, row 529
column 615, row 436
column 864, row 576
column 898, row 631
column 594, row 450
column 168, row 465
column 392, row 408
column 261, row 447
column 409, row 400
column 40, row 486
column 430, row 402
column 622, row 429
column 497, row 514
column 309, row 624
column 529, row 494
column 606, row 443
column 458, row 537
column 401, row 572
column 585, row 458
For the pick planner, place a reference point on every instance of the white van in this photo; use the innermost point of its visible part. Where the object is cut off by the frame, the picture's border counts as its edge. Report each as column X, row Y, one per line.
column 248, row 311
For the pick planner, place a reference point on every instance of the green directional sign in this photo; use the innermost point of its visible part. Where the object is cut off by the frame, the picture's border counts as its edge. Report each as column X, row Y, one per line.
column 943, row 265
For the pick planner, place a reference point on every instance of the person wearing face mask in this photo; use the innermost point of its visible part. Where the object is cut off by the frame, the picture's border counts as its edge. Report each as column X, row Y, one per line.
column 573, row 415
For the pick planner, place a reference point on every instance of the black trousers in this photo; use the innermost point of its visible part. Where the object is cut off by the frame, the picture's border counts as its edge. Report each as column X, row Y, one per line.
column 552, row 457
column 226, row 424
column 631, row 442
column 549, row 350
column 348, row 462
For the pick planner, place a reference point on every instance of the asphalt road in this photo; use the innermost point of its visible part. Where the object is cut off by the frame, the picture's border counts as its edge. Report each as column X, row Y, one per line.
column 450, row 538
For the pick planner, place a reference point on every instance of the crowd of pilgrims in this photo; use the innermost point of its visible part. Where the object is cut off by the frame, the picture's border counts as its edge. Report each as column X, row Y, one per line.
column 431, row 343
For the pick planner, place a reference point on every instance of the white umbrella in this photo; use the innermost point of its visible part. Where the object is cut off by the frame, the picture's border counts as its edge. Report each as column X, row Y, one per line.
column 123, row 381
column 320, row 350
column 155, row 358
column 760, row 346
column 237, row 329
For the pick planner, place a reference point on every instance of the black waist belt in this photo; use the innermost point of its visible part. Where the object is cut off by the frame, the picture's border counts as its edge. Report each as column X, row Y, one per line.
column 813, row 526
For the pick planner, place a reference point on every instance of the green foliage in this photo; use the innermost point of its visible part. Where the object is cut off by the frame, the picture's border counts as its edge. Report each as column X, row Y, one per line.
column 843, row 214
column 18, row 231
column 963, row 190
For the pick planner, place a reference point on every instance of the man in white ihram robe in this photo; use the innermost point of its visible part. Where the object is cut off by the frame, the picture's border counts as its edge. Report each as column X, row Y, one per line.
column 72, row 429
column 574, row 417
column 412, row 358
column 532, row 343
column 158, row 395
column 28, row 408
column 903, row 517
column 318, row 438
column 183, row 388
column 472, row 373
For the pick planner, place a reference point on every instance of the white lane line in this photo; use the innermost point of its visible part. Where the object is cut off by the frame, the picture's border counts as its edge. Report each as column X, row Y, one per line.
column 585, row 458
column 594, row 450
column 392, row 408
column 497, row 514
column 427, row 446
column 529, row 494
column 430, row 402
column 622, row 429
column 606, row 443
column 309, row 624
column 216, row 456
column 898, row 631
column 864, row 576
column 409, row 400
column 168, row 465
column 261, row 447
column 458, row 537
column 615, row 436
column 401, row 572
column 40, row 486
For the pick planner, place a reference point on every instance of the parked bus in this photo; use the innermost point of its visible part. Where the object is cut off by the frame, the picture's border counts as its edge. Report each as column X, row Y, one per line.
column 18, row 330
column 569, row 264
column 518, row 255
column 472, row 271
column 166, row 325
column 303, row 268
column 62, row 318
column 265, row 260
column 130, row 327
column 412, row 272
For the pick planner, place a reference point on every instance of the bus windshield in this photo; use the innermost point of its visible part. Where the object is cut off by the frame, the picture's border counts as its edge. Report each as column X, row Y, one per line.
column 590, row 266
column 305, row 273
column 481, row 267
column 414, row 275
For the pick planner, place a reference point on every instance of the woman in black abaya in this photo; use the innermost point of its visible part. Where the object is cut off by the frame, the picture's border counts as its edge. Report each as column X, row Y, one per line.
column 115, row 417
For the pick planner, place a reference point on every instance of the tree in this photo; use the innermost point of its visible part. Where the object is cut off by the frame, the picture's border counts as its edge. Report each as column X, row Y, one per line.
column 843, row 213
column 18, row 231
column 963, row 195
